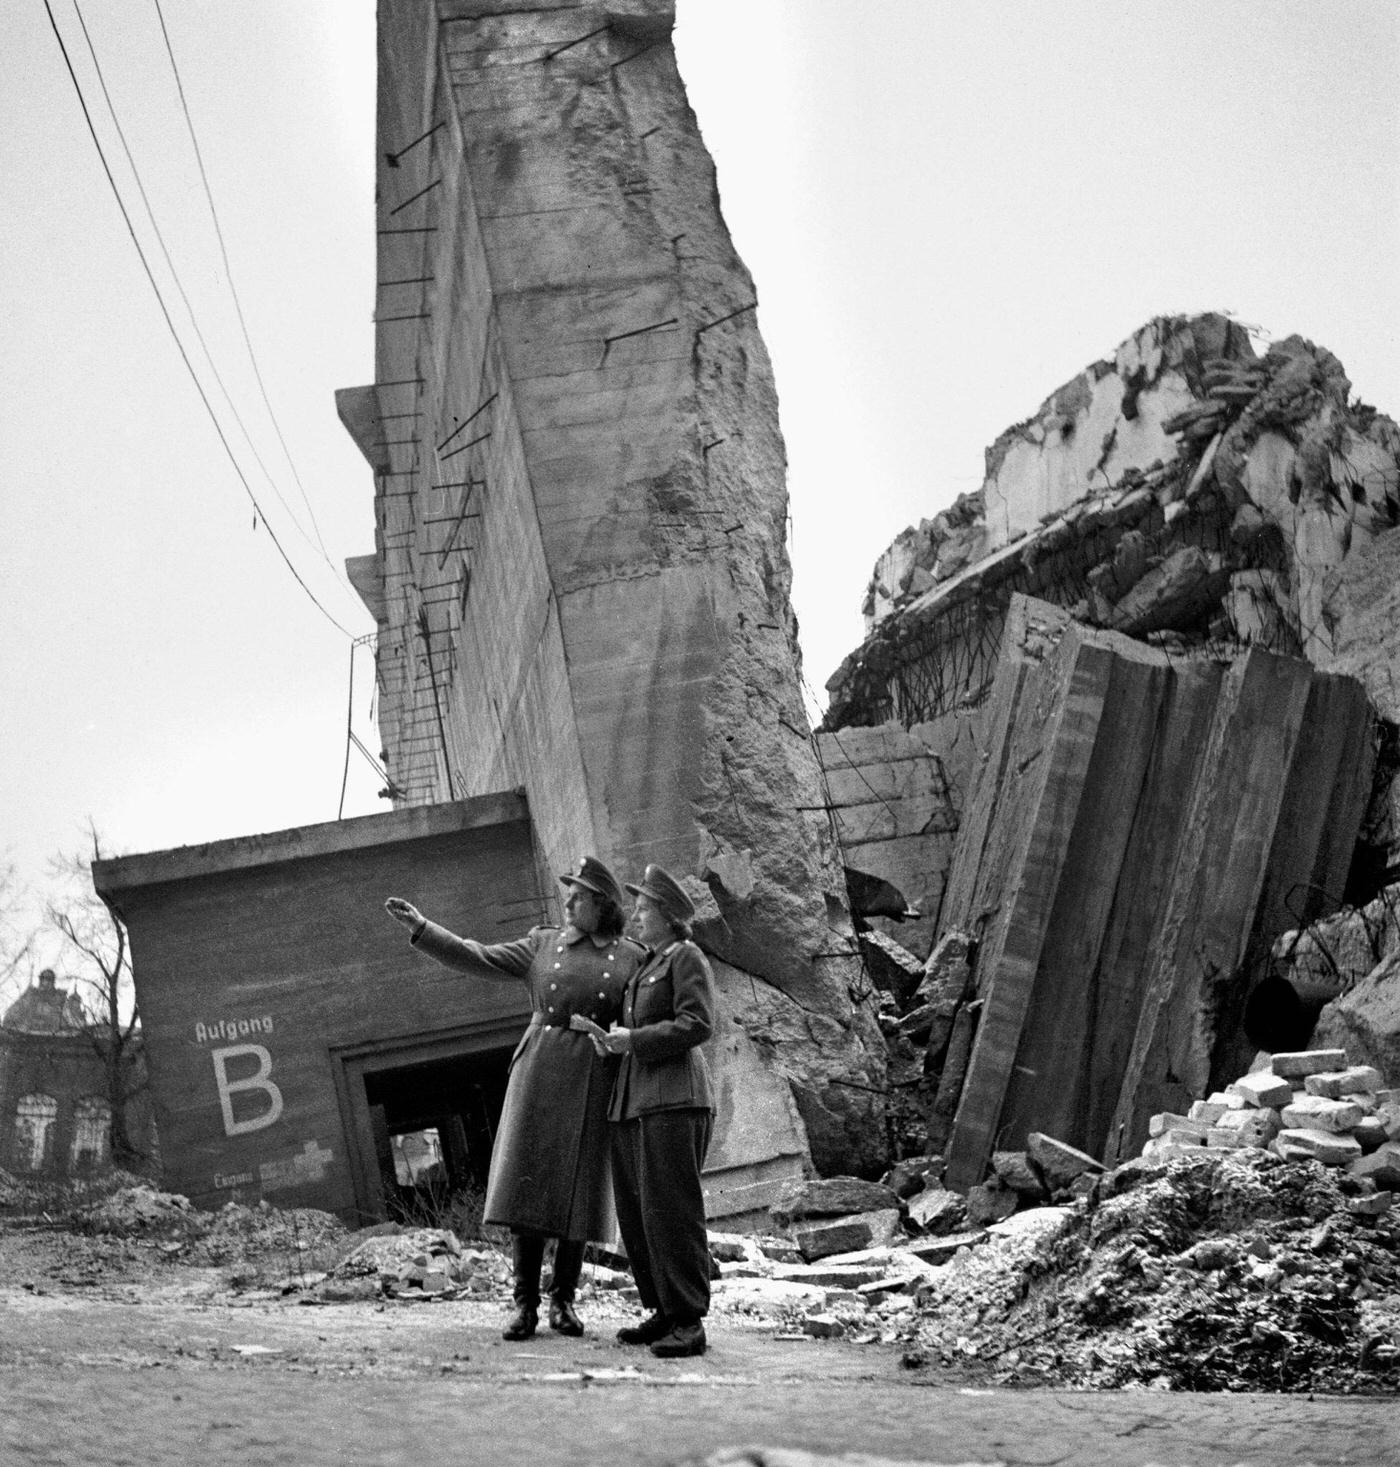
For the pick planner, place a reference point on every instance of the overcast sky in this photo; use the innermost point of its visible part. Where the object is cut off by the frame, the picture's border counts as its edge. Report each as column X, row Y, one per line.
column 948, row 209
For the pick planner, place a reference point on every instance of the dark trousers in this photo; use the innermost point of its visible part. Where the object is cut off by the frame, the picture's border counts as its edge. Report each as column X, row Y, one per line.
column 527, row 1258
column 656, row 1162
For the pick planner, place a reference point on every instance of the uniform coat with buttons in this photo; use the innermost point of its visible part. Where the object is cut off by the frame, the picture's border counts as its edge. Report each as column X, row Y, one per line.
column 662, row 1112
column 549, row 1169
column 670, row 1009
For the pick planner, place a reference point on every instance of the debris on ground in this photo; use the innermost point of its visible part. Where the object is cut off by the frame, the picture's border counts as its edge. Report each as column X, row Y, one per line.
column 1252, row 1246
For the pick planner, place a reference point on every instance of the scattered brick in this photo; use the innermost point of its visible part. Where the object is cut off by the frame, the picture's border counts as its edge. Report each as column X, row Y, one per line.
column 1296, row 1065
column 1264, row 1088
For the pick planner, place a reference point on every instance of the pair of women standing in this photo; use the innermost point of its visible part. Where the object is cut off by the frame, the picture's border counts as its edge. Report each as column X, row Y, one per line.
column 566, row 1093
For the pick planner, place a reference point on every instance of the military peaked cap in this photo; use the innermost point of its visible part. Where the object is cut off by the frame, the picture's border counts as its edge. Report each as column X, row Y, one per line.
column 593, row 876
column 662, row 888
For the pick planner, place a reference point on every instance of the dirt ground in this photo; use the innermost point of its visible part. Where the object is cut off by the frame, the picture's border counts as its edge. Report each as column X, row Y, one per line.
column 157, row 1350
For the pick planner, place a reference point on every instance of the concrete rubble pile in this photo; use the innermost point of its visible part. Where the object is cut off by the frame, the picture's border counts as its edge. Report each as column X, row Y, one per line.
column 1257, row 1252
column 232, row 1235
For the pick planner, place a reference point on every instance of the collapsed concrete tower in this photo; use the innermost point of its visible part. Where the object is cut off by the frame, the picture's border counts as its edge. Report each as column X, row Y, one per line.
column 580, row 577
column 1130, row 704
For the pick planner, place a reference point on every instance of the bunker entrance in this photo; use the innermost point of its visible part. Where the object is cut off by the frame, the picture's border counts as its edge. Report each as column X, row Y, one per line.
column 433, row 1125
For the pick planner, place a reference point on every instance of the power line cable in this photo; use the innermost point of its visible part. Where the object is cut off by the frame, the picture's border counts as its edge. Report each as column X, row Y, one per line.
column 170, row 324
column 179, row 284
column 233, row 289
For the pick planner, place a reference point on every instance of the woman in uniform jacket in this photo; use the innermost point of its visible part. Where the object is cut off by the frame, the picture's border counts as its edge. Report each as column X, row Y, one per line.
column 662, row 1113
column 549, row 1164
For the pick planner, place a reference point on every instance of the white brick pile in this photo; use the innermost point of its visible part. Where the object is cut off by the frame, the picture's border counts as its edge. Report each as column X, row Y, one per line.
column 1306, row 1106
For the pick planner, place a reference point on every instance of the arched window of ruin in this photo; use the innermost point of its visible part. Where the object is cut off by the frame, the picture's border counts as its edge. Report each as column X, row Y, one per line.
column 92, row 1120
column 35, row 1117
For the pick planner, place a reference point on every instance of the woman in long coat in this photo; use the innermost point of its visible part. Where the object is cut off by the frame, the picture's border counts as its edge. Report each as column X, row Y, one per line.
column 549, row 1167
column 662, row 1112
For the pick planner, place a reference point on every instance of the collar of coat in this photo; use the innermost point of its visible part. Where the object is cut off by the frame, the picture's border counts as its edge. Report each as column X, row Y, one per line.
column 573, row 935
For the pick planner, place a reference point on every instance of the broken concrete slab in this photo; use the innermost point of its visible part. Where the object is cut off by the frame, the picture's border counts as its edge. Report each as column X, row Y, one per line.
column 1298, row 1064
column 1261, row 1088
column 829, row 1197
column 1016, row 1170
column 820, row 1239
column 1303, row 1143
column 1059, row 1163
column 937, row 1210
column 990, row 1202
column 1315, row 1112
column 1355, row 1080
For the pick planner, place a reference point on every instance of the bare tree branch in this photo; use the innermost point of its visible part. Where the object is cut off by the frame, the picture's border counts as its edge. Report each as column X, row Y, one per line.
column 96, row 933
column 16, row 945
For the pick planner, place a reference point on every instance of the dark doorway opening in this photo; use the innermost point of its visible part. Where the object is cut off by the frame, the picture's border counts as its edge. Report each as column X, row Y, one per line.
column 434, row 1124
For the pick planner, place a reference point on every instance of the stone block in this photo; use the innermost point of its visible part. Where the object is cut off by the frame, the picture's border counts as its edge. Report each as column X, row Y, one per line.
column 1303, row 1143
column 1264, row 1088
column 1301, row 1063
column 827, row 1276
column 1015, row 1170
column 1060, row 1164
column 1375, row 1205
column 912, row 1175
column 731, row 1247
column 1381, row 1167
column 1370, row 1133
column 892, row 968
column 990, row 1203
column 1317, row 1113
column 1163, row 1148
column 1207, row 1111
column 821, row 1239
column 1233, row 1138
column 1165, row 1122
column 779, row 1250
column 1334, row 1084
column 940, row 1250
column 1254, row 1127
column 936, row 1210
column 1230, row 1102
column 829, row 1197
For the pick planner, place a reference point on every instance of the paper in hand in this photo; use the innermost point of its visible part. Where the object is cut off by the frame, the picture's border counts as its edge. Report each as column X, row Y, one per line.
column 585, row 1025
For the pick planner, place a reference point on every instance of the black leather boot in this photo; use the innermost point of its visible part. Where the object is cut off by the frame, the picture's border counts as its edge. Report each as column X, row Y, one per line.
column 568, row 1265
column 680, row 1340
column 651, row 1329
column 526, row 1255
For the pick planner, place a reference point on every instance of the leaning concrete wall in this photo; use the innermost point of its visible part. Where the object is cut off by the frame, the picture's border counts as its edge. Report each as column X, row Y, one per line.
column 1137, row 835
column 580, row 573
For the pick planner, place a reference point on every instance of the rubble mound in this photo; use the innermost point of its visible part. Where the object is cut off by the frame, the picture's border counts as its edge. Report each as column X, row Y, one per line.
column 238, row 1233
column 1223, row 1270
column 410, row 1264
column 235, row 1234
column 133, row 1211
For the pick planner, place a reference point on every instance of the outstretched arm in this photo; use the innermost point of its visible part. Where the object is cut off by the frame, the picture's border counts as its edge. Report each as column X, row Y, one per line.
column 494, row 960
